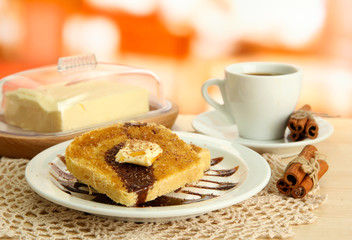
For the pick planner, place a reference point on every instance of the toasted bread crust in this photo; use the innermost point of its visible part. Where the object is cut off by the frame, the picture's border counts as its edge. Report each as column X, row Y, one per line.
column 180, row 163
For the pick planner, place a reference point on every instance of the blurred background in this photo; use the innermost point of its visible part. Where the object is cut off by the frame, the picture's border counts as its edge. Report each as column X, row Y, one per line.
column 186, row 42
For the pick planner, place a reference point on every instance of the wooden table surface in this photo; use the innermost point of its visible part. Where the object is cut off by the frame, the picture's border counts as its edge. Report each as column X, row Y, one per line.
column 335, row 216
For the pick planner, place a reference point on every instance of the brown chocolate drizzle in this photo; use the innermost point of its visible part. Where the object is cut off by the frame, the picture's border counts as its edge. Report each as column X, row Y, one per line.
column 136, row 178
column 62, row 158
column 222, row 172
column 70, row 185
column 164, row 201
column 215, row 161
column 220, row 185
column 63, row 174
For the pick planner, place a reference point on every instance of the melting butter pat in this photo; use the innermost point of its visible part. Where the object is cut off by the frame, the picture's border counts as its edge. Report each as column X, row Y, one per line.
column 139, row 152
column 64, row 107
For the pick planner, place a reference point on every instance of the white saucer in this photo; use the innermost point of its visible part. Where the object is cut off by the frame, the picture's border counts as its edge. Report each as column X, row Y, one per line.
column 216, row 124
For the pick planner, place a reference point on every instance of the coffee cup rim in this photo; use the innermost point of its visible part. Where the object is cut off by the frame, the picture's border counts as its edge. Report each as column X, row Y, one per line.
column 293, row 69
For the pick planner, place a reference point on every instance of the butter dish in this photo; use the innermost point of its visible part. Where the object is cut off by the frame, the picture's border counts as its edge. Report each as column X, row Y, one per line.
column 44, row 106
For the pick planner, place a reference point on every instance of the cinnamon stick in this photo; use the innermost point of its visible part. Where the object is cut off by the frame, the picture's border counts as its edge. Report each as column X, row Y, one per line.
column 311, row 129
column 302, row 124
column 307, row 184
column 294, row 175
column 297, row 125
column 297, row 136
column 297, row 179
column 282, row 186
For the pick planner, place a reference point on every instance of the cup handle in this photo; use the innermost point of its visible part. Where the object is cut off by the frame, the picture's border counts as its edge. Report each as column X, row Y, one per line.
column 210, row 100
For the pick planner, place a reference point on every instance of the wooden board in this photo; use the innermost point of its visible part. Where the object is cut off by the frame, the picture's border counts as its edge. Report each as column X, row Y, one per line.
column 14, row 146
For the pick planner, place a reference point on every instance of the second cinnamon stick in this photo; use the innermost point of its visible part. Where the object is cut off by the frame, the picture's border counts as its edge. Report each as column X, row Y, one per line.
column 282, row 186
column 307, row 184
column 311, row 129
column 294, row 175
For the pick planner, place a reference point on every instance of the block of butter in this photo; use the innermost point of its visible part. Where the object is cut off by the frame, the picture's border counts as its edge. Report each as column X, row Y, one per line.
column 64, row 107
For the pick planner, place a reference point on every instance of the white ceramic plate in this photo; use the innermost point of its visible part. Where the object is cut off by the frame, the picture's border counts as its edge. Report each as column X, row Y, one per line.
column 252, row 176
column 216, row 124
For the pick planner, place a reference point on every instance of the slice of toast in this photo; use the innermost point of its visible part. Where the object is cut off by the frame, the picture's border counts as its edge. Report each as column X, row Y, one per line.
column 91, row 159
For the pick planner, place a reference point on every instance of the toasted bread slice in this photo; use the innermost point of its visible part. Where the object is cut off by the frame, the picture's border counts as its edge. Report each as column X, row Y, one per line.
column 91, row 159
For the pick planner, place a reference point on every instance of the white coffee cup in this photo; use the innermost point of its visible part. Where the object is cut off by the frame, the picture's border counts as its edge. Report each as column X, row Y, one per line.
column 258, row 97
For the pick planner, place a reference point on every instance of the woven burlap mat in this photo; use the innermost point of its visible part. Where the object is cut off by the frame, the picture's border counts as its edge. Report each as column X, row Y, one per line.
column 26, row 215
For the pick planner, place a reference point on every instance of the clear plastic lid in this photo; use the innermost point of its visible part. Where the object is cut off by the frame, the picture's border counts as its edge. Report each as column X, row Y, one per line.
column 77, row 82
